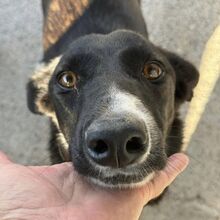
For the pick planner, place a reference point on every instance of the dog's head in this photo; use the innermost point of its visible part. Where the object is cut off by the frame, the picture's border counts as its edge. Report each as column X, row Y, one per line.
column 114, row 99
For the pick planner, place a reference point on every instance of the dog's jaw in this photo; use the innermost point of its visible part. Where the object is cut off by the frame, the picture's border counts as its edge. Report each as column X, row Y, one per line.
column 146, row 180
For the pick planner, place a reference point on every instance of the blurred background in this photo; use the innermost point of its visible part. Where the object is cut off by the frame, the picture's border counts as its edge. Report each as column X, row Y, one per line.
column 180, row 26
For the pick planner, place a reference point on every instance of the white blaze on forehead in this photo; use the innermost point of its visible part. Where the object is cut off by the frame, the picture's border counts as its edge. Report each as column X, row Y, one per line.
column 131, row 106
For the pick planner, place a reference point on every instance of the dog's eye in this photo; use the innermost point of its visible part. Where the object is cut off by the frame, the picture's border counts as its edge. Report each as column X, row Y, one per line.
column 152, row 71
column 67, row 79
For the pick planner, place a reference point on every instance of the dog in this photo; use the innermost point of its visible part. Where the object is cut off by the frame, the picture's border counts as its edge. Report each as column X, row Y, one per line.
column 112, row 95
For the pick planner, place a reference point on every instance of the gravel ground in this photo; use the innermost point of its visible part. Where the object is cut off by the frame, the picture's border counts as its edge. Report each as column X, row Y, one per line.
column 180, row 26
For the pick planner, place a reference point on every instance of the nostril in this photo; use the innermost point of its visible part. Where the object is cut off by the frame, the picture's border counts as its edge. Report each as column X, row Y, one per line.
column 134, row 145
column 98, row 147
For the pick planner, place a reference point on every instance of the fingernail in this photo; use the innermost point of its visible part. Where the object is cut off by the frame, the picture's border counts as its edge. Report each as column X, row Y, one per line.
column 179, row 160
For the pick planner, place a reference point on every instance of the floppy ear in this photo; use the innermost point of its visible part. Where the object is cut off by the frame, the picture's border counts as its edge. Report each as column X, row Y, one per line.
column 37, row 89
column 187, row 77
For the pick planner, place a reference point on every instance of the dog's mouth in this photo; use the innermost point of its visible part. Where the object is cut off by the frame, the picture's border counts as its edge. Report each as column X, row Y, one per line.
column 121, row 178
column 132, row 176
column 122, row 181
column 107, row 177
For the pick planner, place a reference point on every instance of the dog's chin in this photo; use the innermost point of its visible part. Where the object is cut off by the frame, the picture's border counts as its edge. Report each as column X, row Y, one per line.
column 112, row 182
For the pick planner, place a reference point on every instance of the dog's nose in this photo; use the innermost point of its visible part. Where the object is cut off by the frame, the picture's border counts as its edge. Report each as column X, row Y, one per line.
column 115, row 145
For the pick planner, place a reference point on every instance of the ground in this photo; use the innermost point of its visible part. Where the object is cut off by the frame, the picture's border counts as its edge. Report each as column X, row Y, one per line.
column 180, row 26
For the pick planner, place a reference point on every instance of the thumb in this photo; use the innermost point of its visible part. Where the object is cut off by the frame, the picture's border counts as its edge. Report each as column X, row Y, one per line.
column 4, row 159
column 175, row 165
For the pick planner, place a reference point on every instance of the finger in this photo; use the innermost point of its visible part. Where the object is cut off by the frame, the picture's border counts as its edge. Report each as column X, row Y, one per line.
column 4, row 159
column 175, row 165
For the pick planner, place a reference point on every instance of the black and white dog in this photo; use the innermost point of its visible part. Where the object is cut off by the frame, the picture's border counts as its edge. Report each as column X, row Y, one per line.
column 112, row 95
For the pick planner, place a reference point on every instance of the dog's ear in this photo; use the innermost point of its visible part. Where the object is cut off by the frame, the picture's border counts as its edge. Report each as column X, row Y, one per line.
column 187, row 77
column 37, row 89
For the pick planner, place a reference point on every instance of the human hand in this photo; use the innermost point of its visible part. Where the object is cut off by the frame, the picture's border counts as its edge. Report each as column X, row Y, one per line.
column 58, row 192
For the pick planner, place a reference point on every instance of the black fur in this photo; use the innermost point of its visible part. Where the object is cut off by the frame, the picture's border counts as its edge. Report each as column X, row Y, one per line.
column 101, row 17
column 109, row 44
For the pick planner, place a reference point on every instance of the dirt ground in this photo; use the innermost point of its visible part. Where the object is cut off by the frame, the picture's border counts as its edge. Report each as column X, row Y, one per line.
column 180, row 26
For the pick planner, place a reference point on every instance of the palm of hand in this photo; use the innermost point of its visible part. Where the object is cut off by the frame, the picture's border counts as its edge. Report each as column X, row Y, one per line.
column 57, row 192
column 54, row 192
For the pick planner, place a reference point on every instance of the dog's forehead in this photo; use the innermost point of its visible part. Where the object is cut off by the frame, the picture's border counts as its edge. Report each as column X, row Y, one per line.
column 114, row 41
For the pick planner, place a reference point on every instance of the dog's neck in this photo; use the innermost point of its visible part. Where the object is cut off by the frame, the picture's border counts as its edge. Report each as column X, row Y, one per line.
column 175, row 137
column 67, row 20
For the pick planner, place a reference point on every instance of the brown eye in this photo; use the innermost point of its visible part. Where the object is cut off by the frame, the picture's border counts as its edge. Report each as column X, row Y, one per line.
column 152, row 71
column 67, row 79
